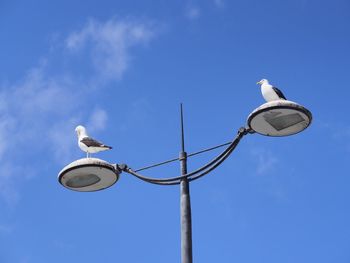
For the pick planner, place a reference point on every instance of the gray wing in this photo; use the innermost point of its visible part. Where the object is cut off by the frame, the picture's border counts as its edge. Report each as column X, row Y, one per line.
column 279, row 93
column 89, row 142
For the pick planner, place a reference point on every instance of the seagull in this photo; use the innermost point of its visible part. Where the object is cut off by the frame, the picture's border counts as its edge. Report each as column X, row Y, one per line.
column 88, row 144
column 269, row 92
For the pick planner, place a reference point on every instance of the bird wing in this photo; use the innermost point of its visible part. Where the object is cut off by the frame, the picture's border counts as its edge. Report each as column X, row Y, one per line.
column 89, row 142
column 279, row 93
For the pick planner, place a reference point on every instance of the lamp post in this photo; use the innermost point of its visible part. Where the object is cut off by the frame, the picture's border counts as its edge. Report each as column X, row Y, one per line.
column 276, row 118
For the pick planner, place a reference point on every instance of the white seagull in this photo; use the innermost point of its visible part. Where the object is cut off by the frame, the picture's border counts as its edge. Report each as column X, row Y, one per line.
column 88, row 144
column 269, row 92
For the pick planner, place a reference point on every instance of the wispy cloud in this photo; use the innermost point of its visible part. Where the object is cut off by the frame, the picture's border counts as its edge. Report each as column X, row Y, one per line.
column 98, row 120
column 34, row 107
column 338, row 132
column 38, row 114
column 62, row 140
column 109, row 44
column 192, row 12
column 8, row 191
column 219, row 3
column 265, row 160
column 341, row 133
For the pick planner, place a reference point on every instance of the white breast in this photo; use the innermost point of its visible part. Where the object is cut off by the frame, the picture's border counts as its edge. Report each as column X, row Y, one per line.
column 83, row 147
column 268, row 93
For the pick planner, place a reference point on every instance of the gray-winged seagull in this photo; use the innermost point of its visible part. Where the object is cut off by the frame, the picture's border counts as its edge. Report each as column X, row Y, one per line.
column 88, row 144
column 270, row 92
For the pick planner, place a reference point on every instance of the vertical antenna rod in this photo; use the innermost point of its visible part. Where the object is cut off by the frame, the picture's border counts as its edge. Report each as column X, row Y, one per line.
column 182, row 129
column 185, row 203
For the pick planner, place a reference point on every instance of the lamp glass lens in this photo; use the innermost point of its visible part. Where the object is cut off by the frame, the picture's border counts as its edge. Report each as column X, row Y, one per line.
column 285, row 121
column 83, row 180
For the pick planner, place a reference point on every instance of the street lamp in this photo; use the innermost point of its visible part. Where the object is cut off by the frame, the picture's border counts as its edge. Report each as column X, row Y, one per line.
column 275, row 118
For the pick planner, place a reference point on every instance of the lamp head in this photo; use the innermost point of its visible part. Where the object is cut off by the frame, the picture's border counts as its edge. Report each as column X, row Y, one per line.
column 279, row 118
column 88, row 175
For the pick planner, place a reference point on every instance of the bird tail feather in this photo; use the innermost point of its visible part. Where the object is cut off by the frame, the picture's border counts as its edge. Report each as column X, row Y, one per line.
column 106, row 146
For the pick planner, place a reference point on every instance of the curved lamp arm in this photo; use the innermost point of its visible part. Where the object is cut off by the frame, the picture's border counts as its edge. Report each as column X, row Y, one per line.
column 210, row 166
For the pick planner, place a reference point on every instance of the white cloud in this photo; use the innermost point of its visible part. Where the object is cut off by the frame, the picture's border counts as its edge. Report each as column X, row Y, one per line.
column 33, row 107
column 219, row 3
column 62, row 139
column 7, row 189
column 265, row 161
column 338, row 132
column 342, row 133
column 193, row 12
column 38, row 114
column 109, row 44
column 98, row 120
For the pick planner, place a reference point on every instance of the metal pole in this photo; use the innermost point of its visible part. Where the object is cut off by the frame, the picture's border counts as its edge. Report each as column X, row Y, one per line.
column 185, row 204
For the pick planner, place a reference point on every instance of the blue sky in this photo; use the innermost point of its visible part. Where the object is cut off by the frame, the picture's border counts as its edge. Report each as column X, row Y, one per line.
column 121, row 68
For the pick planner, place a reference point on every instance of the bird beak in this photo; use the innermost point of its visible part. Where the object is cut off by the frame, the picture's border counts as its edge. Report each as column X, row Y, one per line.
column 258, row 82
